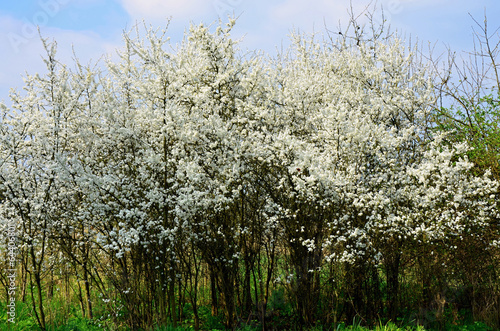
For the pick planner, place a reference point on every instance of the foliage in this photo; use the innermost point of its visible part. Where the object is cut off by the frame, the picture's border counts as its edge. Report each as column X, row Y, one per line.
column 471, row 92
column 193, row 182
column 474, row 113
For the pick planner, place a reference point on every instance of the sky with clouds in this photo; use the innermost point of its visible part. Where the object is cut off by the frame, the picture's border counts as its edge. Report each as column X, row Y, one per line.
column 92, row 28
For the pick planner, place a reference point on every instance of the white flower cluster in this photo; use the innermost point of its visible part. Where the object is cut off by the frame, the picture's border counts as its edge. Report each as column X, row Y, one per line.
column 325, row 146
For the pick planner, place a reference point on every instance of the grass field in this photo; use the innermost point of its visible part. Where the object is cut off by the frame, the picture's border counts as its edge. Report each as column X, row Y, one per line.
column 25, row 321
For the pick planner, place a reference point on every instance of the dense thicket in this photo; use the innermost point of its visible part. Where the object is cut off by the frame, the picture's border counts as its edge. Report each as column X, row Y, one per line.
column 196, row 175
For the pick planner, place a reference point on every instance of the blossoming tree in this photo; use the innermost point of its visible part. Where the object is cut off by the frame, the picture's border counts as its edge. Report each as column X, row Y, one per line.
column 193, row 161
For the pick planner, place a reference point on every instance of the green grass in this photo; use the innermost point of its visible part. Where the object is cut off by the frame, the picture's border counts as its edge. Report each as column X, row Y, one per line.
column 86, row 325
column 476, row 326
column 61, row 322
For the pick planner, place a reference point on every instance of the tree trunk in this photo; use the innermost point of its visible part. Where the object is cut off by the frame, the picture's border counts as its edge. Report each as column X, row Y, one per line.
column 171, row 295
column 38, row 282
column 227, row 287
column 392, row 274
column 213, row 292
column 247, row 296
column 88, row 294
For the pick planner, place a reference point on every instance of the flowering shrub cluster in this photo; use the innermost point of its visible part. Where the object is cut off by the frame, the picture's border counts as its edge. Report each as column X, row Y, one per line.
column 312, row 170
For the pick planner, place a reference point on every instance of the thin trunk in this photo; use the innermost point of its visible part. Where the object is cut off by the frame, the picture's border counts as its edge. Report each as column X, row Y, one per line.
column 213, row 292
column 50, row 292
column 196, row 317
column 80, row 298
column 247, row 295
column 171, row 294
column 393, row 284
column 162, row 304
column 87, row 293
column 33, row 303
column 24, row 281
column 256, row 288
column 270, row 268
column 227, row 287
column 38, row 282
column 180, row 303
column 194, row 289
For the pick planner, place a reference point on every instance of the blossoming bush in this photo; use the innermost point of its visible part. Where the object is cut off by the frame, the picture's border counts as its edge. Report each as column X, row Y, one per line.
column 195, row 166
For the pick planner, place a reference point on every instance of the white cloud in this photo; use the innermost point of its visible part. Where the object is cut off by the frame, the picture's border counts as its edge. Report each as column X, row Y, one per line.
column 317, row 13
column 277, row 19
column 162, row 9
column 306, row 14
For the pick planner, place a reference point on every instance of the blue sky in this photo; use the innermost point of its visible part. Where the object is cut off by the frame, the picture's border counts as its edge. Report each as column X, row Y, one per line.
column 94, row 27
